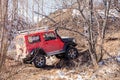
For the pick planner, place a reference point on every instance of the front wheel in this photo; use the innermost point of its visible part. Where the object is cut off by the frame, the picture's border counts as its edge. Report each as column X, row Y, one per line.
column 72, row 53
column 39, row 61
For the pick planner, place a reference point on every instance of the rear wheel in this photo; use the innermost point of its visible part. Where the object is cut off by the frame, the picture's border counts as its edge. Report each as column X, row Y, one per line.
column 71, row 53
column 39, row 61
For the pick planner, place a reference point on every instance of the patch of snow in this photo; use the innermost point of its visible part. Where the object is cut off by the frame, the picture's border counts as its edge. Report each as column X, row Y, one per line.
column 118, row 56
column 79, row 77
column 61, row 74
column 118, row 53
column 118, row 59
column 66, row 76
column 112, row 13
column 101, row 13
column 101, row 63
column 75, row 13
column 64, row 10
column 36, row 19
column 71, row 71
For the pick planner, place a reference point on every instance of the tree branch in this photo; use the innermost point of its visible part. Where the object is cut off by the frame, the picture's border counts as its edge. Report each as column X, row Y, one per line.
column 45, row 16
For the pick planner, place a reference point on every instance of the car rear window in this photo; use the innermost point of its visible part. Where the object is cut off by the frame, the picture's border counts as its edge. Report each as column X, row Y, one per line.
column 33, row 39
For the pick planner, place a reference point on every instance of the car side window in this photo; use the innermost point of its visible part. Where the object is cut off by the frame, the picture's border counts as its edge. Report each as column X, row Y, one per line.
column 49, row 36
column 33, row 39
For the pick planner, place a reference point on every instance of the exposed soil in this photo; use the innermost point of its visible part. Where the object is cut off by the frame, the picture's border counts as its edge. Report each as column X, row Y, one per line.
column 78, row 69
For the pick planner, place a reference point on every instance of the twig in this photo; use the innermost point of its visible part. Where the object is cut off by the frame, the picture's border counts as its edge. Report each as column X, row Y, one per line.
column 45, row 16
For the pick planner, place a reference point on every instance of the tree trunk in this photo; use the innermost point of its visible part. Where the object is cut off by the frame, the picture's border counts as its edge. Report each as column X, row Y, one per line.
column 92, row 49
column 4, row 41
column 107, row 7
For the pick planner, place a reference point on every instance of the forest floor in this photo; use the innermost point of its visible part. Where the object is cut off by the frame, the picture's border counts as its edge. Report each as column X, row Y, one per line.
column 78, row 69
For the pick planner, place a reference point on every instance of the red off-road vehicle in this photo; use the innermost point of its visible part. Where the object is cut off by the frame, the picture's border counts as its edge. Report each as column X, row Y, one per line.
column 35, row 44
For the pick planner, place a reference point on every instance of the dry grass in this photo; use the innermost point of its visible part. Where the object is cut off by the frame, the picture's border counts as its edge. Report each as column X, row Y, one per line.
column 17, row 71
column 112, row 44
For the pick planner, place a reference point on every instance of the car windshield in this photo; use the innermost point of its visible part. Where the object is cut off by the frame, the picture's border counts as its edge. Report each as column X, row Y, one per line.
column 49, row 36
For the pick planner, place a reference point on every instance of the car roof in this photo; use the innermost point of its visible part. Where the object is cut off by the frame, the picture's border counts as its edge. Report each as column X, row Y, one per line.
column 28, row 33
column 43, row 31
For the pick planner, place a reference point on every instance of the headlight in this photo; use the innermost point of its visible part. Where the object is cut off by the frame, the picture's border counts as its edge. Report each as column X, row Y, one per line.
column 74, row 40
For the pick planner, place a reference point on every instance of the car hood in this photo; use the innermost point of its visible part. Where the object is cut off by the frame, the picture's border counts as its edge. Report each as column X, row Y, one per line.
column 67, row 39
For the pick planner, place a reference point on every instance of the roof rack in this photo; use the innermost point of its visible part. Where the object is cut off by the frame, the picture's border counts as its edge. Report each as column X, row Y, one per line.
column 31, row 30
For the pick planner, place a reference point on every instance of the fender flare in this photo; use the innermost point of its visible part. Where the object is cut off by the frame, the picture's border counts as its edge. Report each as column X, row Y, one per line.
column 33, row 54
column 39, row 51
column 69, row 44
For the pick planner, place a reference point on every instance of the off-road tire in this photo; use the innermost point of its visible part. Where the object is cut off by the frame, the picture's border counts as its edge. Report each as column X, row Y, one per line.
column 39, row 61
column 71, row 53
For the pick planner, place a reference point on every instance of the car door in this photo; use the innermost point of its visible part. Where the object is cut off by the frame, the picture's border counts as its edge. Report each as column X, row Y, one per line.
column 33, row 41
column 51, row 43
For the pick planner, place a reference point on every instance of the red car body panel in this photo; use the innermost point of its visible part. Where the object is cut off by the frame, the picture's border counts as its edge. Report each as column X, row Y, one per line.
column 49, row 46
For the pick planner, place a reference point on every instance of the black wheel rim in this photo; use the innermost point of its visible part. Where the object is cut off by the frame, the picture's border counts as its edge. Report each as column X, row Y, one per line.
column 72, row 53
column 40, row 61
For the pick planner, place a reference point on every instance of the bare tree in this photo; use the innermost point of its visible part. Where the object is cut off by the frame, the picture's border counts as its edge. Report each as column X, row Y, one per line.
column 92, row 38
column 117, row 5
column 4, row 40
column 107, row 4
